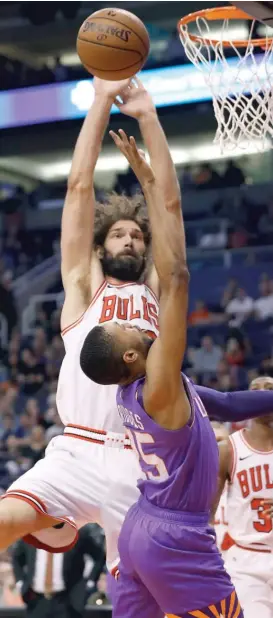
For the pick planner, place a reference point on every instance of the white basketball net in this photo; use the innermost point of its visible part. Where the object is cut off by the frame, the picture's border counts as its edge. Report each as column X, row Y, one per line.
column 241, row 89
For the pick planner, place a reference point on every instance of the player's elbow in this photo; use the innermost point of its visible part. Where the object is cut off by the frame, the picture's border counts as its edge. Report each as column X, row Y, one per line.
column 78, row 184
column 180, row 276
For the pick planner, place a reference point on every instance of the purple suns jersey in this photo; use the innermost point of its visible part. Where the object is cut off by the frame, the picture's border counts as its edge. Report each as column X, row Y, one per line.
column 181, row 467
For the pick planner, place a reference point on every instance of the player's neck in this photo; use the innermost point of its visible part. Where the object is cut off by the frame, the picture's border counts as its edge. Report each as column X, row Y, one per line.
column 114, row 281
column 259, row 436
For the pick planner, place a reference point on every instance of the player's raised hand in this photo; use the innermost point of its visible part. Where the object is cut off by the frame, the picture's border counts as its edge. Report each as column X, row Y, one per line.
column 110, row 89
column 135, row 157
column 135, row 100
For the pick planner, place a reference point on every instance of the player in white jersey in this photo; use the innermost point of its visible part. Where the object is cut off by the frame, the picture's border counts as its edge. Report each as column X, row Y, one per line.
column 246, row 462
column 90, row 473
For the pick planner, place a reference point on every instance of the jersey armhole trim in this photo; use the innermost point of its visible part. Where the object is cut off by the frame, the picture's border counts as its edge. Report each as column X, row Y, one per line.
column 233, row 458
column 152, row 293
column 79, row 320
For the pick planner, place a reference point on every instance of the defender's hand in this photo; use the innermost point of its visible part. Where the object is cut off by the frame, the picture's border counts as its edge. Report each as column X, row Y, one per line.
column 110, row 89
column 268, row 508
column 135, row 157
column 136, row 101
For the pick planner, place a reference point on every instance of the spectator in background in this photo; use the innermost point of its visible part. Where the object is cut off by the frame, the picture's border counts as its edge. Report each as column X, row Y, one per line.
column 33, row 410
column 267, row 365
column 54, row 584
column 234, row 353
column 55, row 355
column 265, row 225
column 263, row 306
column 239, row 308
column 56, row 428
column 8, row 429
column 31, row 376
column 24, row 429
column 207, row 178
column 206, row 359
column 7, row 306
column 233, row 176
column 35, row 448
column 199, row 315
column 39, row 344
column 238, row 238
column 186, row 179
column 229, row 292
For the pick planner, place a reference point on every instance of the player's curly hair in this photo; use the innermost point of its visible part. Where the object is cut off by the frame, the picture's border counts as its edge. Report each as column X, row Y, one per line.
column 116, row 208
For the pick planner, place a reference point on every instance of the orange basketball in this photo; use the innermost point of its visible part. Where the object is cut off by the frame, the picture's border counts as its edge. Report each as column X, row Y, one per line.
column 113, row 44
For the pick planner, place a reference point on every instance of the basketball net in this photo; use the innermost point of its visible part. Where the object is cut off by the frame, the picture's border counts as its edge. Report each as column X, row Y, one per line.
column 240, row 83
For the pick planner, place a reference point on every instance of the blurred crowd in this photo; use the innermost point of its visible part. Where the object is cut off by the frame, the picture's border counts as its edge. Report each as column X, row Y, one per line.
column 232, row 343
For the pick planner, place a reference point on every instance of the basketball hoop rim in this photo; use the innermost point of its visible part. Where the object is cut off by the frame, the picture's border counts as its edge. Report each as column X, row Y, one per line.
column 224, row 12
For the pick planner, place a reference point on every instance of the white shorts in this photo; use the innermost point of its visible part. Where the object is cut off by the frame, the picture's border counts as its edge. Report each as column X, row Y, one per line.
column 252, row 575
column 81, row 481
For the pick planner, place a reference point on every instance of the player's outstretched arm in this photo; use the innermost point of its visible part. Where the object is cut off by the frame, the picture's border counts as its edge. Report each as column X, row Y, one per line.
column 138, row 104
column 164, row 396
column 164, row 393
column 78, row 212
column 237, row 406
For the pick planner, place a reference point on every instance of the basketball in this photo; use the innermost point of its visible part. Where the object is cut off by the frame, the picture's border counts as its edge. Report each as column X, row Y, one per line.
column 113, row 44
column 262, row 11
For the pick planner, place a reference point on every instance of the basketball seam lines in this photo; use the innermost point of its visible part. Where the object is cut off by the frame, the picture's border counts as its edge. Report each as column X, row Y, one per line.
column 147, row 49
column 110, row 47
column 111, row 70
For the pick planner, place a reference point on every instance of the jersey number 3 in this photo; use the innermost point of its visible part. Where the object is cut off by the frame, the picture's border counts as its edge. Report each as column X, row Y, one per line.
column 152, row 460
column 265, row 523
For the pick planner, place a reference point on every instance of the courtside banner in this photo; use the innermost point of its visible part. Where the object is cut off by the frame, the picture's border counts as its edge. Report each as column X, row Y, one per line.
column 43, row 104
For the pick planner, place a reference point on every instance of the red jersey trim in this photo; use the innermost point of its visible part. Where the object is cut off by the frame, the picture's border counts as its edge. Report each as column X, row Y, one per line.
column 37, row 504
column 254, row 450
column 79, row 320
column 152, row 293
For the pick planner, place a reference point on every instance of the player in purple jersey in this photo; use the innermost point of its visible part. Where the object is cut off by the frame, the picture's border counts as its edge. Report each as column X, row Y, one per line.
column 169, row 560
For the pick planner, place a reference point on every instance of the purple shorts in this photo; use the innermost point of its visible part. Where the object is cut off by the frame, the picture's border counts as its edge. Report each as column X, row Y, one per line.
column 170, row 565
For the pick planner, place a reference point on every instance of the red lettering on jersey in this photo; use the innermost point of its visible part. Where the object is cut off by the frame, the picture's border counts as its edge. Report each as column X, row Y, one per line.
column 268, row 483
column 145, row 309
column 243, row 482
column 153, row 313
column 122, row 309
column 256, row 478
column 108, row 309
column 133, row 314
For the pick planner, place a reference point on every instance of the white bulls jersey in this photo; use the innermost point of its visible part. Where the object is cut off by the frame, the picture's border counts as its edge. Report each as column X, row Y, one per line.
column 80, row 401
column 251, row 483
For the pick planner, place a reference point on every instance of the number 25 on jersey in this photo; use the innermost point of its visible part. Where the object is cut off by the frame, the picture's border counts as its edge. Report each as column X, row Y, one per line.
column 138, row 439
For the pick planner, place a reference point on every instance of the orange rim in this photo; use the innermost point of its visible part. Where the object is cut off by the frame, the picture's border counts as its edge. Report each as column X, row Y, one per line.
column 224, row 12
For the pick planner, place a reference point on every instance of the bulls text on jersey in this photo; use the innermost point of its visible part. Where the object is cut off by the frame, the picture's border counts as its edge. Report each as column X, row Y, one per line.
column 128, row 309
